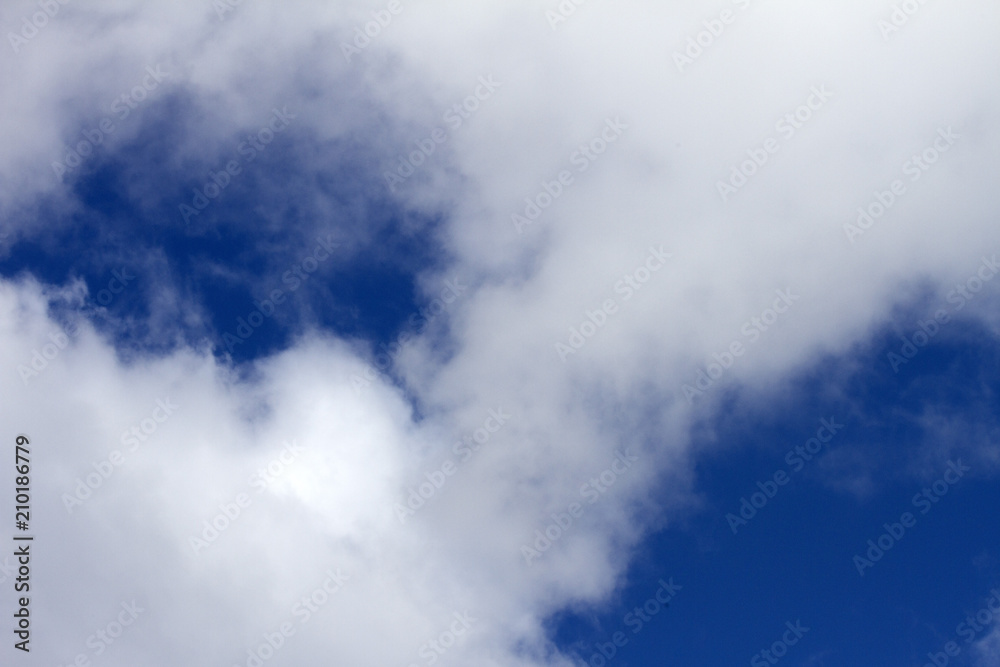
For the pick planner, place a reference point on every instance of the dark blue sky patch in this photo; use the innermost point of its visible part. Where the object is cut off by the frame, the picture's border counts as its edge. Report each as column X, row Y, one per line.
column 311, row 219
column 792, row 558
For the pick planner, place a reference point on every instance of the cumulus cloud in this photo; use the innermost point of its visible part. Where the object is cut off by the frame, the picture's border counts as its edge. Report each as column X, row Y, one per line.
column 638, row 233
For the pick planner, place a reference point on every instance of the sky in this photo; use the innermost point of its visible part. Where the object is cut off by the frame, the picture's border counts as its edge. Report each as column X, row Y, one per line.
column 535, row 333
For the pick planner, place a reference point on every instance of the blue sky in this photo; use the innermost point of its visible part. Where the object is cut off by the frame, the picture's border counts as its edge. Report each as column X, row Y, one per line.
column 793, row 560
column 522, row 334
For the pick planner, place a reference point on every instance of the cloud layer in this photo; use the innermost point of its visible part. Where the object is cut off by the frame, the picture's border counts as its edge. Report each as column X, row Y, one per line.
column 651, row 208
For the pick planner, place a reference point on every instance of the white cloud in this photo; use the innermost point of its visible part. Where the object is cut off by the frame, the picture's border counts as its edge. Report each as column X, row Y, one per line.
column 986, row 651
column 333, row 507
